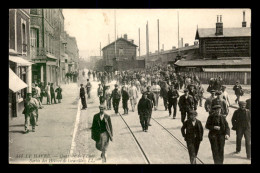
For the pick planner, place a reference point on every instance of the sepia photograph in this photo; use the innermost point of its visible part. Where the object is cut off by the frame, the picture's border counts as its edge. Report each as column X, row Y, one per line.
column 129, row 86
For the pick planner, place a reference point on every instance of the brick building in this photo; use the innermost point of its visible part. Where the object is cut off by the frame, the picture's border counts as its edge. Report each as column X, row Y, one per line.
column 125, row 57
column 19, row 60
column 47, row 47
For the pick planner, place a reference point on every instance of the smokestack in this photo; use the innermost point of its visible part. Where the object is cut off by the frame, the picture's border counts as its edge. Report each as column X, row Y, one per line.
column 125, row 36
column 219, row 26
column 244, row 21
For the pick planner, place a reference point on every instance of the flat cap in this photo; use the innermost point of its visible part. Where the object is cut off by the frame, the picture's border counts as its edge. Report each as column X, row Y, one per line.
column 243, row 103
column 218, row 93
column 216, row 106
column 149, row 87
column 193, row 112
column 116, row 85
column 212, row 91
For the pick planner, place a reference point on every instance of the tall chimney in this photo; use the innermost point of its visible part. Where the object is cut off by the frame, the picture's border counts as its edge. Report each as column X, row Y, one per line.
column 244, row 21
column 125, row 36
column 219, row 26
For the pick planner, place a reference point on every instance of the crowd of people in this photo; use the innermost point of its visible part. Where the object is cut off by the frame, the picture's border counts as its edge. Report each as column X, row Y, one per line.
column 71, row 76
column 34, row 101
column 163, row 82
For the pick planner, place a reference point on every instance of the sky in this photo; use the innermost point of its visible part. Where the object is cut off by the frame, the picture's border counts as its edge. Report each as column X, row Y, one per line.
column 92, row 26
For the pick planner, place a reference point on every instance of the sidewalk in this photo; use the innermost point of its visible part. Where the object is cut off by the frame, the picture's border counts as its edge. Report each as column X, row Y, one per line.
column 53, row 136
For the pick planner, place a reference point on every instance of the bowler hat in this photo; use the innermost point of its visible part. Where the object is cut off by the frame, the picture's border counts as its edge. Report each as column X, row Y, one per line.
column 101, row 106
column 216, row 107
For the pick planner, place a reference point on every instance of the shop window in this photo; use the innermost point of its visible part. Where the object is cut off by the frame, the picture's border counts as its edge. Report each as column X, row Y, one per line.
column 22, row 75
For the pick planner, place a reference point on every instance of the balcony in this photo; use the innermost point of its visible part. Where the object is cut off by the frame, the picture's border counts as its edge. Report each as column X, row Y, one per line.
column 41, row 53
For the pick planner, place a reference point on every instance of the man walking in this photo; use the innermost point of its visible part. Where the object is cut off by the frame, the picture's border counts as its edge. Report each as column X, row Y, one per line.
column 200, row 90
column 88, row 87
column 102, row 131
column 116, row 96
column 52, row 94
column 225, row 95
column 38, row 95
column 133, row 95
column 186, row 104
column 48, row 92
column 220, row 101
column 173, row 96
column 83, row 97
column 192, row 131
column 108, row 93
column 164, row 94
column 156, row 91
column 208, row 102
column 150, row 96
column 238, row 91
column 218, row 132
column 241, row 122
column 30, row 112
column 125, row 98
column 144, row 108
column 100, row 93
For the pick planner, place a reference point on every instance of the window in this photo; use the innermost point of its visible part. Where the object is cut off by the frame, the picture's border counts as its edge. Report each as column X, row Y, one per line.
column 121, row 52
column 34, row 37
column 24, row 36
column 33, row 11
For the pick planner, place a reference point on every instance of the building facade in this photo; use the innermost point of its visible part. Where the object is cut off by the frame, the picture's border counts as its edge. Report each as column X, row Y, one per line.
column 72, row 51
column 20, row 70
column 119, row 53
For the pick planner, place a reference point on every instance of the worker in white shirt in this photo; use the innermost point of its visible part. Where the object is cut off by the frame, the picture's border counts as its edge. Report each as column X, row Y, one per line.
column 225, row 95
column 133, row 95
column 156, row 91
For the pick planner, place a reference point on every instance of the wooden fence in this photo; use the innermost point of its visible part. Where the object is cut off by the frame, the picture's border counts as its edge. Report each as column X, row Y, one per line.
column 229, row 78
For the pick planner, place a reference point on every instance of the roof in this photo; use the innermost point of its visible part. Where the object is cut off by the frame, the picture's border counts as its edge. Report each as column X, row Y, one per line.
column 118, row 40
column 203, row 62
column 227, row 69
column 227, row 32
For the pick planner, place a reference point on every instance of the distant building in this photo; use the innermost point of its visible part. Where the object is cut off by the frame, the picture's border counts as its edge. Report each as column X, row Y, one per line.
column 20, row 67
column 73, row 53
column 224, row 52
column 125, row 57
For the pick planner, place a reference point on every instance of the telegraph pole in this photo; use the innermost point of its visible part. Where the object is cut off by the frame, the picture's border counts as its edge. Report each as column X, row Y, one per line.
column 147, row 40
column 158, row 40
column 139, row 43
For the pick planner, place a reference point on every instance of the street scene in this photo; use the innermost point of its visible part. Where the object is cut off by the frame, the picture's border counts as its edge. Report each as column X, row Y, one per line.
column 100, row 87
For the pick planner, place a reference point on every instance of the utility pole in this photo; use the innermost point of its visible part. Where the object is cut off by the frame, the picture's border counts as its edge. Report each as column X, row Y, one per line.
column 139, row 43
column 147, row 40
column 158, row 40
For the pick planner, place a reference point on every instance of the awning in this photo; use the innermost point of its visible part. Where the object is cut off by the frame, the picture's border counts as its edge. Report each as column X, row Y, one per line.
column 15, row 83
column 19, row 60
column 227, row 69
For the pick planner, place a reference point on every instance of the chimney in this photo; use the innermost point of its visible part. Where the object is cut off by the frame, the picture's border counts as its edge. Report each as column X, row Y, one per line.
column 219, row 26
column 125, row 36
column 244, row 21
column 186, row 44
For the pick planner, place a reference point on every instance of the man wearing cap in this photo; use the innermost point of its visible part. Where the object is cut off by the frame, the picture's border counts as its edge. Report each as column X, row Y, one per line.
column 200, row 91
column 52, row 94
column 48, row 93
column 186, row 104
column 150, row 96
column 238, row 91
column 241, row 122
column 194, row 94
column 218, row 132
column 102, row 131
column 172, row 100
column 108, row 93
column 116, row 96
column 220, row 101
column 208, row 102
column 156, row 91
column 133, row 95
column 125, row 98
column 164, row 94
column 30, row 112
column 225, row 95
column 82, row 96
column 144, row 108
column 192, row 131
column 100, row 93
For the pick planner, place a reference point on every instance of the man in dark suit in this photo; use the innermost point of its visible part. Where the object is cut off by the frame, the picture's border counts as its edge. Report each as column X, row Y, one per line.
column 241, row 122
column 144, row 108
column 193, row 135
column 172, row 100
column 83, row 97
column 53, row 94
column 102, row 131
column 248, row 104
column 218, row 132
column 186, row 104
column 150, row 96
column 116, row 97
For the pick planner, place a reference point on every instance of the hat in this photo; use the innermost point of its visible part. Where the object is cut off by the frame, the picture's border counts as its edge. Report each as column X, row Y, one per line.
column 186, row 90
column 218, row 93
column 101, row 106
column 29, row 94
column 193, row 113
column 242, row 103
column 216, row 106
column 116, row 85
column 149, row 87
column 212, row 91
